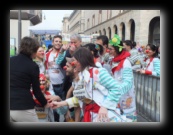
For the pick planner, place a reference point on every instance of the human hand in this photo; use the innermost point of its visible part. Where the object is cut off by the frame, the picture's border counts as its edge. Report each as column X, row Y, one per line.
column 64, row 47
column 51, row 98
column 47, row 105
column 73, row 47
column 142, row 71
column 55, row 104
column 102, row 115
column 138, row 70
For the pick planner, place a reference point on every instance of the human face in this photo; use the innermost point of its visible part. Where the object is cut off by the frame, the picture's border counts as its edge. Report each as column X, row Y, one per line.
column 78, row 66
column 57, row 43
column 149, row 52
column 43, row 84
column 99, row 41
column 75, row 42
column 126, row 47
column 40, row 53
column 42, row 81
column 69, row 69
column 112, row 51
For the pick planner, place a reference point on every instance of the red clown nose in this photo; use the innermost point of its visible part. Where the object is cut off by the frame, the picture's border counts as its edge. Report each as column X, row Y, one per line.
column 107, row 50
column 147, row 51
column 65, row 67
column 42, row 87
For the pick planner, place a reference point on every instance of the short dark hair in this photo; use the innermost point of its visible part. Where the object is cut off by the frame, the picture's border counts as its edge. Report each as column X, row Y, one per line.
column 130, row 43
column 96, row 48
column 28, row 46
column 104, row 39
column 57, row 36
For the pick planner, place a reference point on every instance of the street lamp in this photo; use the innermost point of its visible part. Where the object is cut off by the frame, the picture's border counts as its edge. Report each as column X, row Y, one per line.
column 43, row 16
column 19, row 28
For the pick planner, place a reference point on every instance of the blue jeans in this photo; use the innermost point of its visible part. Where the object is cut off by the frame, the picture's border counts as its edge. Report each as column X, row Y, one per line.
column 59, row 91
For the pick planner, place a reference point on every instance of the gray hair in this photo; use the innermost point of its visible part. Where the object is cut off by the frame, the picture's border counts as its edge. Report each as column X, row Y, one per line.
column 76, row 36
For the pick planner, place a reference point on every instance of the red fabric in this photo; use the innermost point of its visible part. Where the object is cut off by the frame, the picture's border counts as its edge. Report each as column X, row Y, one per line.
column 120, row 58
column 47, row 57
column 90, row 108
column 36, row 101
column 47, row 93
column 91, row 72
column 145, row 59
column 43, row 76
column 151, row 59
column 147, row 72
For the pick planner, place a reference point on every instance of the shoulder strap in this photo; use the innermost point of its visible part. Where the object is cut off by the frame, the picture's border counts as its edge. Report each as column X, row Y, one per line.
column 91, row 72
column 47, row 57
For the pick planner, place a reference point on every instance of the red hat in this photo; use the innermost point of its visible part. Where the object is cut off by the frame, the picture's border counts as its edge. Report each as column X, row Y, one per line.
column 43, row 77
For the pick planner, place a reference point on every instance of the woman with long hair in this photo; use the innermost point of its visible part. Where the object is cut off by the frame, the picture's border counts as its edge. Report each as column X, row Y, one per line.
column 152, row 63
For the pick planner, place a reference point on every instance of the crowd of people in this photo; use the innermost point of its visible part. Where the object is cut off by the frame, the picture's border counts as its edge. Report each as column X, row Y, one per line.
column 89, row 83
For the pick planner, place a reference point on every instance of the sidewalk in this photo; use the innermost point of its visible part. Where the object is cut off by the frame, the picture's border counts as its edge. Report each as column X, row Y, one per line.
column 141, row 119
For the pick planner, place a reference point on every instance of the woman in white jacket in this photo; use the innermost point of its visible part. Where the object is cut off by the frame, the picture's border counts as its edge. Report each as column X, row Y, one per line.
column 122, row 72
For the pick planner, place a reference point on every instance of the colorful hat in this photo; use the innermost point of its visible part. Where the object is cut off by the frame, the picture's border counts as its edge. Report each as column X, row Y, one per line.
column 115, row 41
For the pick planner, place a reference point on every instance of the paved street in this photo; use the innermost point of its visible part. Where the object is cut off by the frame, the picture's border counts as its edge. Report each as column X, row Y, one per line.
column 139, row 119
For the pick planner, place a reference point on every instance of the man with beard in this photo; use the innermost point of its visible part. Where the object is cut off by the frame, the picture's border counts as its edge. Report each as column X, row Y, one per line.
column 72, row 73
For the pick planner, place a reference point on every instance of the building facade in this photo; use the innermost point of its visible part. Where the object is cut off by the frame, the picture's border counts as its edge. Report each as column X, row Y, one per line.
column 142, row 26
column 27, row 18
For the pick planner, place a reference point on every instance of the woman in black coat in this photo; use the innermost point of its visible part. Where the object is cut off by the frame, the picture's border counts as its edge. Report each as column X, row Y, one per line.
column 24, row 73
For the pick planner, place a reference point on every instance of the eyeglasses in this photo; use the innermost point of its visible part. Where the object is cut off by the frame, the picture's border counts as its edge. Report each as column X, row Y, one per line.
column 42, row 80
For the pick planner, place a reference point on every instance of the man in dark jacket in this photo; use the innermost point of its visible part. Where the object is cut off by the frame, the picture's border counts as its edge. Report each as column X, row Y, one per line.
column 24, row 74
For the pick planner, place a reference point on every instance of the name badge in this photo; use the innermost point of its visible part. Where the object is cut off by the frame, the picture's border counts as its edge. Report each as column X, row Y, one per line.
column 80, row 92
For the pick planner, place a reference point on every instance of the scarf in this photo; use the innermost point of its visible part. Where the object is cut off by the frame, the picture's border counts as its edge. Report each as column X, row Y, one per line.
column 120, row 58
column 88, row 108
column 47, row 57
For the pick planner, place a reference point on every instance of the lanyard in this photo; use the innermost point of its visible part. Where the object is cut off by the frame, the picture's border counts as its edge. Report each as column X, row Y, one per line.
column 151, row 59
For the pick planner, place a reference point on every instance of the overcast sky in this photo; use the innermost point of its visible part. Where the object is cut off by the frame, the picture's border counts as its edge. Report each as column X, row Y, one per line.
column 55, row 17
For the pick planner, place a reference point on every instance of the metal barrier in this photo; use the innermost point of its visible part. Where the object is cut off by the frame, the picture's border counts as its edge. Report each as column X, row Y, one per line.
column 147, row 96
